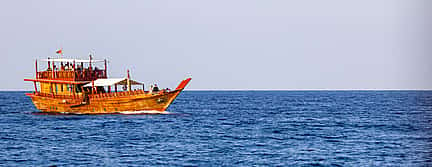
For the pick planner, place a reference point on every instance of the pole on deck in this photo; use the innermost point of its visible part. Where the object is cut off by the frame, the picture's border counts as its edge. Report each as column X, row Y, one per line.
column 93, row 87
column 35, row 86
column 73, row 66
column 49, row 66
column 90, row 66
column 53, row 69
column 105, row 71
column 49, row 63
column 128, row 81
column 90, row 61
column 81, row 74
column 36, row 67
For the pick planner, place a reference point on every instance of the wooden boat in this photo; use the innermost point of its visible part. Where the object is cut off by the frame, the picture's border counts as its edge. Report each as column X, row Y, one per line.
column 77, row 86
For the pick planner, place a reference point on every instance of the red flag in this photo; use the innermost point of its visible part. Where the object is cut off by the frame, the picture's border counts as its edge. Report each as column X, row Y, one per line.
column 59, row 51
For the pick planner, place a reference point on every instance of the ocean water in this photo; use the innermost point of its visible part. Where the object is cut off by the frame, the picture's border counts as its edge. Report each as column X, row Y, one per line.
column 229, row 128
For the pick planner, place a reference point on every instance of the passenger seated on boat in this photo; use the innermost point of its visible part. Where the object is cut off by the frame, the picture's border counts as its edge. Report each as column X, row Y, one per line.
column 155, row 88
column 67, row 66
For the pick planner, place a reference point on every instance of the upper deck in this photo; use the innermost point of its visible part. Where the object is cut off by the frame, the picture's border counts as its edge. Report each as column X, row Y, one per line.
column 72, row 75
column 72, row 70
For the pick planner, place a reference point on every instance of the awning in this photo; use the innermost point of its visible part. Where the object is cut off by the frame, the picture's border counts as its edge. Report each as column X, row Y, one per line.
column 72, row 60
column 112, row 81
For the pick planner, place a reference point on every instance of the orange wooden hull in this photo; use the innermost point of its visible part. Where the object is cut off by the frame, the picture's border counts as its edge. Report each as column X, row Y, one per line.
column 101, row 104
column 108, row 103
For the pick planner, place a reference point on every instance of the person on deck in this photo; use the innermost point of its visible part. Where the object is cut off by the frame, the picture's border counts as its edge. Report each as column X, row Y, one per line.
column 67, row 67
column 155, row 88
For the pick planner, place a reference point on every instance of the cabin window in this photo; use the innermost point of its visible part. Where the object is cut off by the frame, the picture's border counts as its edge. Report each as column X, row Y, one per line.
column 61, row 87
column 56, row 88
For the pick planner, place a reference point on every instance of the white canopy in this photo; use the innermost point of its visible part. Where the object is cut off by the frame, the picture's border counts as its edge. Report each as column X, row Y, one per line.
column 111, row 81
column 72, row 60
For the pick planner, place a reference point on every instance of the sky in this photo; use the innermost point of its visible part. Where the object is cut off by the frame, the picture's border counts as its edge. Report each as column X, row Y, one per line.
column 227, row 44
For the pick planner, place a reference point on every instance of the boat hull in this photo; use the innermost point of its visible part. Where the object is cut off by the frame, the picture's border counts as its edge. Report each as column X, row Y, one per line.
column 129, row 102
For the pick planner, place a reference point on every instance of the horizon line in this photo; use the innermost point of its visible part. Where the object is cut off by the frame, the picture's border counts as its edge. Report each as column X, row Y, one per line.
column 304, row 89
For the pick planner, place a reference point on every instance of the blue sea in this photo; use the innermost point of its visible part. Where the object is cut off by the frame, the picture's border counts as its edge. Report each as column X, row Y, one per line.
column 229, row 128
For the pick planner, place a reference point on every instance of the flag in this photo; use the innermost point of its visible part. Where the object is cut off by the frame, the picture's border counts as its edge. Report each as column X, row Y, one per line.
column 60, row 51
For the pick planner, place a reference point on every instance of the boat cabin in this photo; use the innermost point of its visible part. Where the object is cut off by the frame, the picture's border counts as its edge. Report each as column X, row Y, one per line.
column 76, row 77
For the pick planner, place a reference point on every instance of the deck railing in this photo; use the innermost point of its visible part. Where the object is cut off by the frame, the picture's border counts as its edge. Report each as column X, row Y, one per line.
column 78, row 75
column 125, row 93
column 118, row 94
column 76, row 96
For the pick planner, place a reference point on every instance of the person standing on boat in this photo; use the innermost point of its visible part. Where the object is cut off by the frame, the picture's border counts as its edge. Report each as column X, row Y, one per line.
column 155, row 88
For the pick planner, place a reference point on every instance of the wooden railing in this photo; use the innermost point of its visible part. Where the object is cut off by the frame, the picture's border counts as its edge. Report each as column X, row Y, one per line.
column 125, row 93
column 76, row 96
column 117, row 94
column 86, row 75
column 81, row 75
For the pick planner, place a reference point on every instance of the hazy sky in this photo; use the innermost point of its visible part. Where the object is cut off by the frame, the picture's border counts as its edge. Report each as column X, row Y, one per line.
column 228, row 44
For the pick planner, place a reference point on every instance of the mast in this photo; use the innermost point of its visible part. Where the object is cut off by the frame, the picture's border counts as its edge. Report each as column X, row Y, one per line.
column 90, row 66
column 128, row 81
column 36, row 67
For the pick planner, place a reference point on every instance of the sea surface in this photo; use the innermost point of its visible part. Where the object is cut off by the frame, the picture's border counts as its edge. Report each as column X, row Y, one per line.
column 229, row 128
